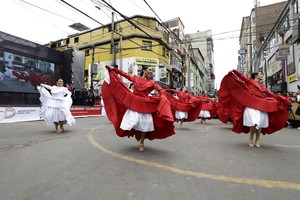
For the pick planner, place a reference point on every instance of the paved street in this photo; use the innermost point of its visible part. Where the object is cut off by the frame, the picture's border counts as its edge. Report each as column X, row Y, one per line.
column 89, row 161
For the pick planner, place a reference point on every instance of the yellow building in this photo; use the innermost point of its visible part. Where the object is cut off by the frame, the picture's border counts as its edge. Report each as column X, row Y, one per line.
column 136, row 41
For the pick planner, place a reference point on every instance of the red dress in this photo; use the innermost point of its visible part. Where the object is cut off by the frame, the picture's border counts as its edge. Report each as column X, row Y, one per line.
column 210, row 105
column 118, row 98
column 238, row 92
column 185, row 103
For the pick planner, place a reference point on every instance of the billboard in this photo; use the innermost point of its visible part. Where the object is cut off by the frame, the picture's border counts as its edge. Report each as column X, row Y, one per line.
column 21, row 74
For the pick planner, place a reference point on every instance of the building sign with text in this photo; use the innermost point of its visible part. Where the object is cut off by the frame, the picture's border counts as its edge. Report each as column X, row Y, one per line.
column 146, row 61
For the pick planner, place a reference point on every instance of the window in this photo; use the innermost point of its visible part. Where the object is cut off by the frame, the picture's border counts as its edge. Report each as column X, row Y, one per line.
column 164, row 52
column 147, row 45
column 76, row 40
column 296, row 7
column 18, row 58
column 287, row 22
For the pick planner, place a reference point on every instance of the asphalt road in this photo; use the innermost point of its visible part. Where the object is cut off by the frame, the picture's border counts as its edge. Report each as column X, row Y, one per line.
column 89, row 161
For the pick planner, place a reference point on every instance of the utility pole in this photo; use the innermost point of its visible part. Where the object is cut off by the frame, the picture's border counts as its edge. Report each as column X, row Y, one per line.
column 251, row 60
column 92, row 70
column 113, row 40
column 121, row 51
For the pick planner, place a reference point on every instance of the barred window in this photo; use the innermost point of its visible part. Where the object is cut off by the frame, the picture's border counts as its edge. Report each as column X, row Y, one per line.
column 147, row 45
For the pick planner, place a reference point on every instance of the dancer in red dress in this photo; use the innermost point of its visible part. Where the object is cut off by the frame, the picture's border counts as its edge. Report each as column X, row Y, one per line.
column 209, row 108
column 136, row 113
column 185, row 106
column 251, row 106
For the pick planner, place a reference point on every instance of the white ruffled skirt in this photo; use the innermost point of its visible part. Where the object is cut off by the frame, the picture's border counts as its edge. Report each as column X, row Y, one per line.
column 139, row 121
column 204, row 114
column 181, row 115
column 253, row 117
column 55, row 110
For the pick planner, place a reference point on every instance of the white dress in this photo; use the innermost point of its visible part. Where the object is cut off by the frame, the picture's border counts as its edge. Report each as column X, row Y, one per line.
column 253, row 117
column 55, row 105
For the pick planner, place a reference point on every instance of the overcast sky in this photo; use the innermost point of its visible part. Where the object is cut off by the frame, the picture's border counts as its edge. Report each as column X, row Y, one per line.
column 43, row 21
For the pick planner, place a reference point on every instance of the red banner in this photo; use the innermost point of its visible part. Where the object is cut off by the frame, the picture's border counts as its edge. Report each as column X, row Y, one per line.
column 86, row 111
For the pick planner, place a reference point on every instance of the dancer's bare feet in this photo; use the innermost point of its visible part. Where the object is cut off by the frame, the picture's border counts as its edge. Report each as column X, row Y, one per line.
column 141, row 148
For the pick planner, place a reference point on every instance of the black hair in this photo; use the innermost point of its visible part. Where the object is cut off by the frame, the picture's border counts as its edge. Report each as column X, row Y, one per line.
column 181, row 89
column 130, row 85
column 144, row 67
column 253, row 75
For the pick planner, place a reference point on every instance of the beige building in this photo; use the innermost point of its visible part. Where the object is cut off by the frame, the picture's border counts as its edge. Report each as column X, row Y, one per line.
column 254, row 31
column 204, row 42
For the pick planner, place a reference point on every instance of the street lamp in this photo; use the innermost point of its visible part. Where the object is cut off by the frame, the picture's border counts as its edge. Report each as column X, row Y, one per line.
column 79, row 27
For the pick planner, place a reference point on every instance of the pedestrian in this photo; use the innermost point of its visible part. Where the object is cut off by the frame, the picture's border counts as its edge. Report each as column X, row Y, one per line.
column 56, row 103
column 84, row 96
column 136, row 113
column 251, row 106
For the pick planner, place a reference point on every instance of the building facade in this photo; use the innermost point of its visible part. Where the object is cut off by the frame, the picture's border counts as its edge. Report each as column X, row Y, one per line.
column 254, row 31
column 204, row 42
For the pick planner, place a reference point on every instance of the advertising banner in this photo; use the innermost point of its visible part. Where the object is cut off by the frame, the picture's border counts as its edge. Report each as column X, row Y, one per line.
column 23, row 114
column 19, row 114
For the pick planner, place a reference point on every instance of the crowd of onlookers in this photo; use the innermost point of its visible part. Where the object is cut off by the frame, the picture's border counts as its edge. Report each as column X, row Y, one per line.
column 84, row 97
column 293, row 113
column 293, row 96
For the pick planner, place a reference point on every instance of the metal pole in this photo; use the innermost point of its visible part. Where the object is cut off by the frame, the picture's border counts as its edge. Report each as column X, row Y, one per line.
column 92, row 65
column 266, row 72
column 113, row 40
column 121, row 46
column 251, row 61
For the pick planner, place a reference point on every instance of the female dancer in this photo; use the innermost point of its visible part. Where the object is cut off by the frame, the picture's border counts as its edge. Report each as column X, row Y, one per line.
column 185, row 106
column 251, row 106
column 56, row 105
column 209, row 108
column 136, row 113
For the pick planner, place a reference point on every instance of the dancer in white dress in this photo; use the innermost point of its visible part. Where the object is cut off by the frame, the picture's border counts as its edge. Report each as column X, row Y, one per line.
column 56, row 105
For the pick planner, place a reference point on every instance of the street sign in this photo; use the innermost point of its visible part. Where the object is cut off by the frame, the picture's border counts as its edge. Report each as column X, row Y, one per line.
column 284, row 50
column 242, row 51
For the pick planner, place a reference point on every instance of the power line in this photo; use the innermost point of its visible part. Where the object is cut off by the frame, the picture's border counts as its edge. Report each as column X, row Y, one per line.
column 224, row 38
column 82, row 12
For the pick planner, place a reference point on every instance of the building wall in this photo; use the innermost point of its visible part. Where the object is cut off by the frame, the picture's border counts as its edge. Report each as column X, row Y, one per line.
column 203, row 41
column 96, row 44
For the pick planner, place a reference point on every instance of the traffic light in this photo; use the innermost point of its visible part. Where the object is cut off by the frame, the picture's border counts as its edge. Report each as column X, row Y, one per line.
column 66, row 71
